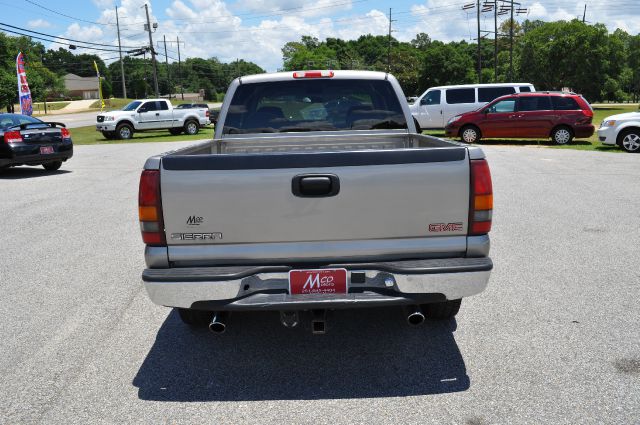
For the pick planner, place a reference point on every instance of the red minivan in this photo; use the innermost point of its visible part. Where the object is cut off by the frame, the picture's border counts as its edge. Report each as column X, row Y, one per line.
column 538, row 115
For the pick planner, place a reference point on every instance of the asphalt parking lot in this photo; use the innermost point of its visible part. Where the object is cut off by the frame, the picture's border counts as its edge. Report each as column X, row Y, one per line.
column 554, row 339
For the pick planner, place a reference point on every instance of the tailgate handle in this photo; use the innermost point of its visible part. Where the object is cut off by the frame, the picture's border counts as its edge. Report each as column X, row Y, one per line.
column 315, row 185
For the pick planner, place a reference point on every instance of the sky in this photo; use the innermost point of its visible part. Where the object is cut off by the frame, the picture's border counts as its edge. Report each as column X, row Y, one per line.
column 256, row 30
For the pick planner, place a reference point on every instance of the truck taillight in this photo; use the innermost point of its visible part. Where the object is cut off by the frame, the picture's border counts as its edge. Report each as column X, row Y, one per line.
column 65, row 133
column 12, row 137
column 207, row 113
column 150, row 209
column 481, row 205
column 313, row 74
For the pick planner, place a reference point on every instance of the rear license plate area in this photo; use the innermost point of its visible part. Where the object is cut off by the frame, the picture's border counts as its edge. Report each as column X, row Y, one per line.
column 45, row 150
column 321, row 281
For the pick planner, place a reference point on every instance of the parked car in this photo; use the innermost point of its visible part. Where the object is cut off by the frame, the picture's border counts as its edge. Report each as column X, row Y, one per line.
column 316, row 194
column 437, row 105
column 26, row 140
column 560, row 116
column 622, row 130
column 151, row 114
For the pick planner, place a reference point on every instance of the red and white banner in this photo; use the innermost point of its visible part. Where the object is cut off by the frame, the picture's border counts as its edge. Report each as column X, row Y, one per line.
column 24, row 94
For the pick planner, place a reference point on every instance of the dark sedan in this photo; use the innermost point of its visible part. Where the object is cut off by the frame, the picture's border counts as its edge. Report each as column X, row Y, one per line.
column 26, row 140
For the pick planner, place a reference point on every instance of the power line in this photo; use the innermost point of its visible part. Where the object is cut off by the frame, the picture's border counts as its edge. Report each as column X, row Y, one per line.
column 57, row 42
column 70, row 17
column 64, row 38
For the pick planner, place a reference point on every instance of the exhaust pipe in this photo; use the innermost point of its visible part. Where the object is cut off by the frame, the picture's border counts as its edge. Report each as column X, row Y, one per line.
column 219, row 323
column 415, row 316
column 319, row 322
column 289, row 319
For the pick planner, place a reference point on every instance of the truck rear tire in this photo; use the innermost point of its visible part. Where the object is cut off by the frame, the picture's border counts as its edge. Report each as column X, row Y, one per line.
column 195, row 318
column 124, row 132
column 175, row 131
column 191, row 127
column 442, row 310
column 52, row 166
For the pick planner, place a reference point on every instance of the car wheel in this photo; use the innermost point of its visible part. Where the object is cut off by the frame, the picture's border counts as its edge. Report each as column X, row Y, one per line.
column 175, row 131
column 109, row 135
column 191, row 128
column 630, row 140
column 124, row 132
column 195, row 318
column 470, row 134
column 418, row 129
column 442, row 310
column 562, row 136
column 52, row 166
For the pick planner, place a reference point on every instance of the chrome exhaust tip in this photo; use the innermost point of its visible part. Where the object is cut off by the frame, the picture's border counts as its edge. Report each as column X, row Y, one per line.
column 289, row 319
column 415, row 316
column 218, row 323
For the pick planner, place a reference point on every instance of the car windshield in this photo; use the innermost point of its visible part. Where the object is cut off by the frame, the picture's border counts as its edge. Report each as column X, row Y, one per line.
column 314, row 105
column 132, row 106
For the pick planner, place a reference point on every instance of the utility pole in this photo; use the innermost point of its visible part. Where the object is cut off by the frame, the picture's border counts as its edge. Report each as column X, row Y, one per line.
column 511, row 45
column 179, row 62
column 166, row 61
column 479, row 39
column 179, row 69
column 495, row 41
column 389, row 47
column 584, row 14
column 153, row 52
column 124, row 87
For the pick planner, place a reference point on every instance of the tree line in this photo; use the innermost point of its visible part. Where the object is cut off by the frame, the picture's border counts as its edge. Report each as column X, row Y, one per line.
column 552, row 55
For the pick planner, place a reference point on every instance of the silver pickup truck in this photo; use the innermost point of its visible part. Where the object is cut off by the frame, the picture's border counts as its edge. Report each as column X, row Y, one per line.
column 316, row 193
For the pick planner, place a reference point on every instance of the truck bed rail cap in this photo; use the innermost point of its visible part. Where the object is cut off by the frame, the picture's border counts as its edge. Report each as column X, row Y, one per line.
column 312, row 160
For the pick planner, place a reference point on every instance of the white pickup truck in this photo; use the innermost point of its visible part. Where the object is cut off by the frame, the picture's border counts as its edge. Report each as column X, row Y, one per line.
column 151, row 114
column 316, row 193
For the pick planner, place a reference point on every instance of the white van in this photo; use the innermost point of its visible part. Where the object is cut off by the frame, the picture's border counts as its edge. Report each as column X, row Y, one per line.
column 434, row 108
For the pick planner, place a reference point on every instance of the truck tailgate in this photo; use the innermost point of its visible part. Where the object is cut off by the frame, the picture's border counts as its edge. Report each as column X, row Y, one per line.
column 246, row 203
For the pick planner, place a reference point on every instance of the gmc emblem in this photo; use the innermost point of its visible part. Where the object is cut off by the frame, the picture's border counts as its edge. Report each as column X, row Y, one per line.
column 445, row 227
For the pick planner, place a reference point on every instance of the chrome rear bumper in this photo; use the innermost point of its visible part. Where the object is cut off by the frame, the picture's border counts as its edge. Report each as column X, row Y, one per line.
column 266, row 287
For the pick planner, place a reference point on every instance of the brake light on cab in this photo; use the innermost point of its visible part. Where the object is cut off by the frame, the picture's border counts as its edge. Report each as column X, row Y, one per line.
column 481, row 208
column 150, row 209
column 12, row 137
column 313, row 74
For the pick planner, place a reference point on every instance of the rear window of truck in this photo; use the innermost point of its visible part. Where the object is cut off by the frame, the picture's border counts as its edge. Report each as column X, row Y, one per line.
column 314, row 105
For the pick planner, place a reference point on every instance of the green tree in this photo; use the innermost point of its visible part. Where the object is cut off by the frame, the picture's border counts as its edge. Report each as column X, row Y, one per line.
column 446, row 64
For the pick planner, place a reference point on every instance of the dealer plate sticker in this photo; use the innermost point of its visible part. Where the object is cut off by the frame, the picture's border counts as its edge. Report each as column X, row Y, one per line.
column 322, row 281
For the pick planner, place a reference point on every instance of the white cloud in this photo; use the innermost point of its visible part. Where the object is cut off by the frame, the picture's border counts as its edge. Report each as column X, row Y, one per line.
column 39, row 23
column 104, row 4
column 538, row 11
column 304, row 8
